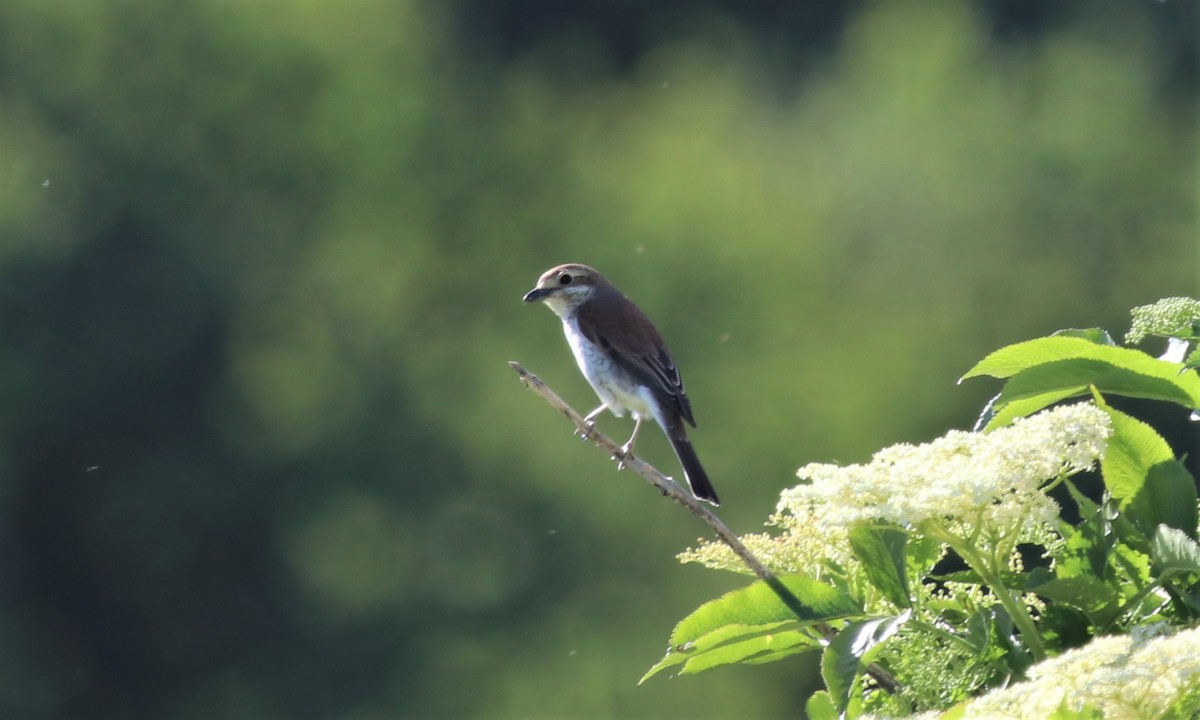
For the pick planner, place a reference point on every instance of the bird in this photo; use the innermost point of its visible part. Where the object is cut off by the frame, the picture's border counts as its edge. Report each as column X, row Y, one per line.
column 623, row 357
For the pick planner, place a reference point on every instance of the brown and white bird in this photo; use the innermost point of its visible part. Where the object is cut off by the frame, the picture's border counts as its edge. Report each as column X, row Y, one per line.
column 625, row 360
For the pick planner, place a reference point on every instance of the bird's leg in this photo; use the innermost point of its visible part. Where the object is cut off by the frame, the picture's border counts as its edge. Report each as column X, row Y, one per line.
column 627, row 448
column 590, row 421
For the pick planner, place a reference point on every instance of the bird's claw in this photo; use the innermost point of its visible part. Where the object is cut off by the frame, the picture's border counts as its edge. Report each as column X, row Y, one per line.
column 586, row 434
column 626, row 453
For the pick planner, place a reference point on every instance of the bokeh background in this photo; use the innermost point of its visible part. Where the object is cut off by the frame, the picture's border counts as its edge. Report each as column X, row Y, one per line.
column 260, row 273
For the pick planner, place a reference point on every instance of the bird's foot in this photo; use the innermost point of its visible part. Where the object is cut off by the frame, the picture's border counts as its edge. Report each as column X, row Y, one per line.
column 626, row 453
column 586, row 434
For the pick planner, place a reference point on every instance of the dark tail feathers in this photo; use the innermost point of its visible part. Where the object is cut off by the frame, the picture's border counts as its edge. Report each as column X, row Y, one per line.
column 692, row 469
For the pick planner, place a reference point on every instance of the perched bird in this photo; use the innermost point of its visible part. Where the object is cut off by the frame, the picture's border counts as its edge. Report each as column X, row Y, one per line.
column 624, row 358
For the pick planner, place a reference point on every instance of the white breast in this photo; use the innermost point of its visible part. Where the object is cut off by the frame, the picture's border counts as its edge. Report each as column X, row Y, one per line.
column 614, row 387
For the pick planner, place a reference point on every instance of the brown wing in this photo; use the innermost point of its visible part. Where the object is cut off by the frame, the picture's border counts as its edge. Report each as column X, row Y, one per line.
column 625, row 332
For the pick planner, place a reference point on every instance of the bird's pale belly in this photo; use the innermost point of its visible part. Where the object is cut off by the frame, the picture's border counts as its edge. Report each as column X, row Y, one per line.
column 612, row 384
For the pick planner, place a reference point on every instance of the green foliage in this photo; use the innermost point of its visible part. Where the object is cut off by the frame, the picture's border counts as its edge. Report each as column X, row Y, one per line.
column 1047, row 370
column 846, row 657
column 1130, row 561
column 881, row 550
column 1141, row 473
column 752, row 625
column 1087, row 712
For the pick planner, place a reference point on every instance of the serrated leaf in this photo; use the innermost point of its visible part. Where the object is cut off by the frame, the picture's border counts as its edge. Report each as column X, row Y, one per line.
column 1141, row 473
column 1015, row 402
column 1044, row 371
column 978, row 630
column 1010, row 360
column 1085, row 504
column 1047, row 383
column 1133, row 448
column 881, row 548
column 1167, row 498
column 757, row 604
column 751, row 651
column 1134, row 565
column 1016, row 656
column 1173, row 551
column 1090, row 595
column 1086, row 546
column 848, row 654
column 731, row 636
column 1192, row 361
column 923, row 554
column 1064, row 627
column 771, row 655
column 750, row 625
column 820, row 707
column 1099, row 336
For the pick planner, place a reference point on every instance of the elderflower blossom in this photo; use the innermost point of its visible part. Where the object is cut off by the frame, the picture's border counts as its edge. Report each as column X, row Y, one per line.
column 982, row 485
column 1143, row 675
column 1172, row 317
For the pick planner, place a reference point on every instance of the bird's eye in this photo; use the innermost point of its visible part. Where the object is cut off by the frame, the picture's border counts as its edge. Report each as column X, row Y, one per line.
column 565, row 279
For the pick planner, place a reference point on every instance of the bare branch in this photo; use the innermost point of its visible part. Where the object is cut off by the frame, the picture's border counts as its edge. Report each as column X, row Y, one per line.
column 671, row 489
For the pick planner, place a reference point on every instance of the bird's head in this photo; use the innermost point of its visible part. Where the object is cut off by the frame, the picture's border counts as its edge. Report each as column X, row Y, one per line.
column 566, row 287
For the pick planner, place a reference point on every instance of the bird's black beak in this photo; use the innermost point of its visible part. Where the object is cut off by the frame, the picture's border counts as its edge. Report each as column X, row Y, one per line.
column 536, row 294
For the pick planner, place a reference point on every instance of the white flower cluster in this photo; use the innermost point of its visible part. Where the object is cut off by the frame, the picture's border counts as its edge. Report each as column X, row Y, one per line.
column 990, row 482
column 986, row 486
column 1140, row 676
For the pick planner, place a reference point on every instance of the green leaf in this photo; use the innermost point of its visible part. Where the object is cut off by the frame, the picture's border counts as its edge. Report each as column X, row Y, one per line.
column 757, row 604
column 881, row 548
column 1044, row 371
column 1048, row 383
column 1172, row 551
column 1140, row 471
column 1192, row 361
column 1064, row 627
column 820, row 707
column 1134, row 567
column 979, row 630
column 923, row 554
column 1015, row 402
column 848, row 654
column 1167, row 498
column 1185, row 707
column 1087, row 712
column 1099, row 336
column 752, row 625
column 1010, row 360
column 1083, row 502
column 1086, row 546
column 749, row 650
column 1090, row 595
column 1015, row 654
column 733, row 643
column 958, row 712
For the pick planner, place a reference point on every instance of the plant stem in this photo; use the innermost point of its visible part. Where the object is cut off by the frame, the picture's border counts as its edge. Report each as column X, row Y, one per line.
column 1018, row 612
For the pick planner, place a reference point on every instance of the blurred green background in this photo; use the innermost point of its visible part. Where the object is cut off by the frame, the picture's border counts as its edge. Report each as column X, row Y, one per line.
column 260, row 272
